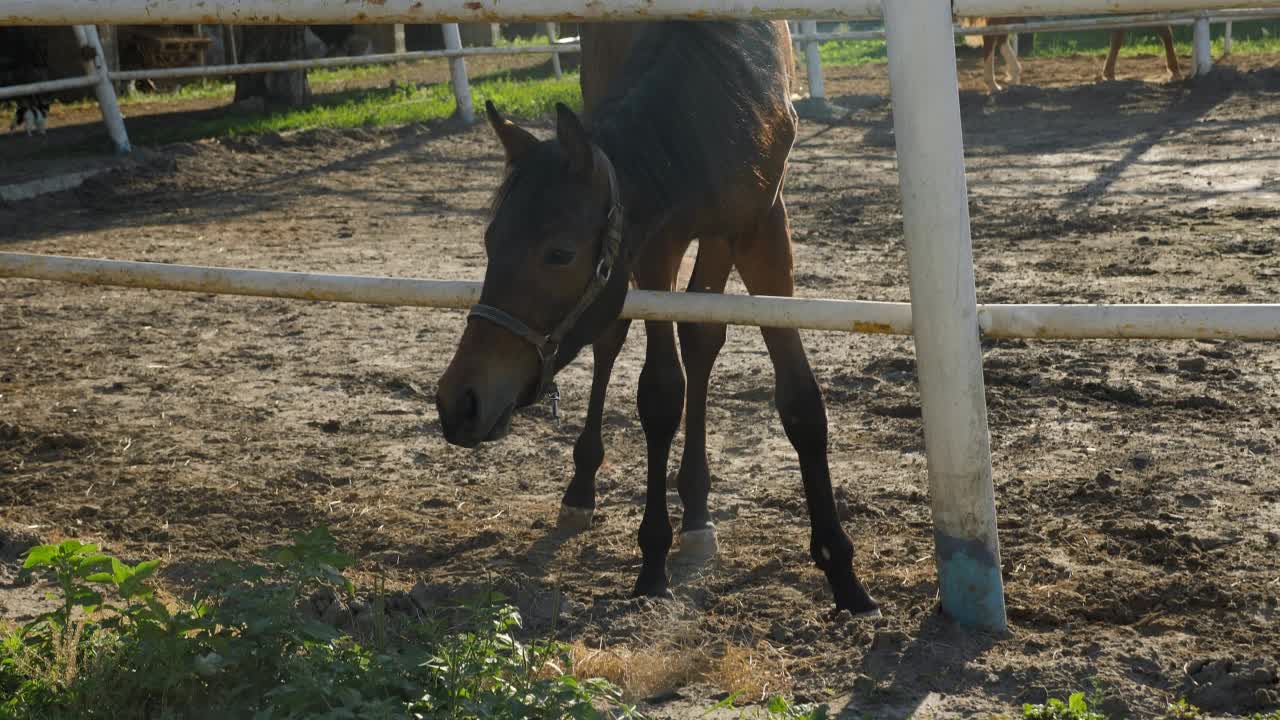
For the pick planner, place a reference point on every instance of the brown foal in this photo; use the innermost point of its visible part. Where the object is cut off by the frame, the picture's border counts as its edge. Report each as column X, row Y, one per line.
column 691, row 126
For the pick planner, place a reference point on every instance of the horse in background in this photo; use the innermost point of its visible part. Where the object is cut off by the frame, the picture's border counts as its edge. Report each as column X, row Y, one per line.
column 1165, row 34
column 1013, row 68
column 992, row 44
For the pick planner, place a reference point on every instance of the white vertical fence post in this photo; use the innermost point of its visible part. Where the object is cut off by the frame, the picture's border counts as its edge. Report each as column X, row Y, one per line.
column 555, row 57
column 1202, row 62
column 935, row 209
column 95, row 66
column 1226, row 39
column 813, row 61
column 458, row 73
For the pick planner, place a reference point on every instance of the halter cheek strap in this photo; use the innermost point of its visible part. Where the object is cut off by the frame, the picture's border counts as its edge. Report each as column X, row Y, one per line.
column 548, row 345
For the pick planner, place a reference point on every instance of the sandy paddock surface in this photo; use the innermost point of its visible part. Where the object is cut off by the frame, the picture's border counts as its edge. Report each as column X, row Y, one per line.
column 1136, row 481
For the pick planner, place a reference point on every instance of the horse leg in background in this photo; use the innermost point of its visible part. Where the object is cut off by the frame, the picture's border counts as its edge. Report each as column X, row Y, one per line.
column 763, row 258
column 1109, row 67
column 1012, row 68
column 1170, row 54
column 700, row 344
column 588, row 452
column 660, row 402
column 989, row 44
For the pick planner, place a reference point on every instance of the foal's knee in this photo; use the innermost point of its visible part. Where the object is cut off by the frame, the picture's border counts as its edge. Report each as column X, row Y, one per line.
column 830, row 549
column 588, row 451
column 700, row 343
column 803, row 412
column 661, row 397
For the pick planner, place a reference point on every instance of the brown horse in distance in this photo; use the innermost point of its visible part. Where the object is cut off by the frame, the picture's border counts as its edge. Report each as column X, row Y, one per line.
column 1165, row 32
column 996, row 43
column 691, row 127
column 1013, row 68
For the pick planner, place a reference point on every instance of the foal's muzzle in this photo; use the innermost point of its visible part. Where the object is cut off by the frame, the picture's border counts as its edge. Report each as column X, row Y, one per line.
column 465, row 421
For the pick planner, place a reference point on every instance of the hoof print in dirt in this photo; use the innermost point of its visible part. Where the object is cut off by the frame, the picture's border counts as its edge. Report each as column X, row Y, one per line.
column 574, row 519
column 1224, row 685
column 14, row 543
column 325, row 606
column 892, row 641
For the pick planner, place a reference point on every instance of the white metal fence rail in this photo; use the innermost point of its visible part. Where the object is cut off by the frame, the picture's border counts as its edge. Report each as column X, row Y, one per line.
column 945, row 318
column 328, row 12
column 1038, row 321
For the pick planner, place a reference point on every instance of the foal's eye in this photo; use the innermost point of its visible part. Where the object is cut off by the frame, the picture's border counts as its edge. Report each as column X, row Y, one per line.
column 559, row 256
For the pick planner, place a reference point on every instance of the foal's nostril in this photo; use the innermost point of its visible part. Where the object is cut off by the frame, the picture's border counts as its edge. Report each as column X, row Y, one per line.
column 469, row 406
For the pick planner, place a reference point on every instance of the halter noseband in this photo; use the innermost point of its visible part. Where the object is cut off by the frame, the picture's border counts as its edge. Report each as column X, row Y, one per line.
column 548, row 345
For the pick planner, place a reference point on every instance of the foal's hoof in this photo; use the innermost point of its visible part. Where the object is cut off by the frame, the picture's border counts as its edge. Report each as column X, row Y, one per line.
column 698, row 545
column 652, row 587
column 853, row 598
column 659, row 594
column 873, row 612
column 574, row 519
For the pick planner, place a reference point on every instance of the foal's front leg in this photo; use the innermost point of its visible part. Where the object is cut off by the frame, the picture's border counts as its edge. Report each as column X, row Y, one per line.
column 661, row 402
column 579, row 502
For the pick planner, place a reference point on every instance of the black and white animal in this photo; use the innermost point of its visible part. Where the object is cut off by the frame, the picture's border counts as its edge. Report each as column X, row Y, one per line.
column 31, row 116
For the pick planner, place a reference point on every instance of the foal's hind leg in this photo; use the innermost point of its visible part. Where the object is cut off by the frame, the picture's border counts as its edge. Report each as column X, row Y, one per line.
column 763, row 259
column 588, row 452
column 700, row 343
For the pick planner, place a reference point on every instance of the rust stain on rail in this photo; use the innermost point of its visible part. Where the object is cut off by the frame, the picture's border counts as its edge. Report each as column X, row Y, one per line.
column 878, row 328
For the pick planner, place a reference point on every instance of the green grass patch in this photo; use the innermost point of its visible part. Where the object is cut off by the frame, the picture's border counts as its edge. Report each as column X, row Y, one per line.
column 219, row 88
column 1256, row 37
column 1075, row 708
column 852, row 52
column 384, row 107
column 246, row 646
column 1247, row 38
column 523, row 41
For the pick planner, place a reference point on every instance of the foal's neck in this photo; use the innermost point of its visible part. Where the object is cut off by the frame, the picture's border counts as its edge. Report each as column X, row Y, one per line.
column 649, row 186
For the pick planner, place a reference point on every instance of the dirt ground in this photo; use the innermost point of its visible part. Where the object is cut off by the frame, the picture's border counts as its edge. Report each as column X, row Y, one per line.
column 1136, row 481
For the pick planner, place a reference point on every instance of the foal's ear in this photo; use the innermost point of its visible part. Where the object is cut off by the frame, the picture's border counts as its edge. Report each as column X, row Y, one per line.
column 574, row 141
column 516, row 141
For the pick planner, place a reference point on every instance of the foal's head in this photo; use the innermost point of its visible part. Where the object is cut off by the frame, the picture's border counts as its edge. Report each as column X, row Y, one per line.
column 555, row 278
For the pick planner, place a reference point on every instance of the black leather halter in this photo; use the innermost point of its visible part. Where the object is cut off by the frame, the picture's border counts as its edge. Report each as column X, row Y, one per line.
column 548, row 345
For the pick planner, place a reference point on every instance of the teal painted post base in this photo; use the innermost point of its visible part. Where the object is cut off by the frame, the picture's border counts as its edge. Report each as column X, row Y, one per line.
column 969, row 582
